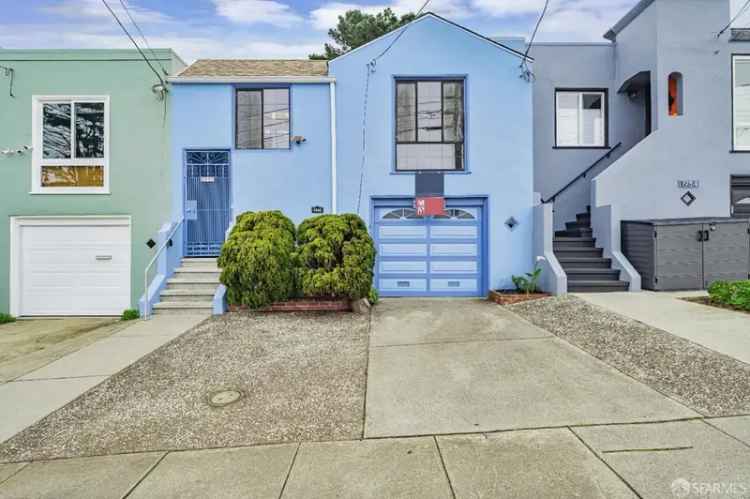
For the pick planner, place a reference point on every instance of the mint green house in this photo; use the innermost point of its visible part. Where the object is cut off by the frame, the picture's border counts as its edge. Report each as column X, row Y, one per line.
column 84, row 155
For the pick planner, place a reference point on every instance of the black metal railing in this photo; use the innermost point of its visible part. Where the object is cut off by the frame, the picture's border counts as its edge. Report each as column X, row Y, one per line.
column 584, row 173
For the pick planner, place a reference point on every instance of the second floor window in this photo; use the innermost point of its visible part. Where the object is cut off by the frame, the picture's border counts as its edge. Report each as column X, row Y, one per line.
column 580, row 118
column 262, row 118
column 429, row 125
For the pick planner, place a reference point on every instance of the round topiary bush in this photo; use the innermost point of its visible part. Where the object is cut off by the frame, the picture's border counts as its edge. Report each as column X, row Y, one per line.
column 336, row 257
column 257, row 261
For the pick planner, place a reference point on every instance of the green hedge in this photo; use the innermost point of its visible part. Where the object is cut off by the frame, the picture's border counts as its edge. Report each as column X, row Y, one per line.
column 336, row 257
column 258, row 260
column 734, row 294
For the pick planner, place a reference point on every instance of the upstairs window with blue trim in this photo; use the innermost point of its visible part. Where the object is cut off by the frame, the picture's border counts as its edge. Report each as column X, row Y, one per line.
column 262, row 116
column 429, row 125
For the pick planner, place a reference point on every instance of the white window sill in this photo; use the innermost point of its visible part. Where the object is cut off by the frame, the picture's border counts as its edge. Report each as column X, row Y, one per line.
column 66, row 190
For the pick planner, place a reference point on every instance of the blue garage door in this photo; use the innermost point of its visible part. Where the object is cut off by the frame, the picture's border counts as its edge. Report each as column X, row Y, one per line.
column 432, row 256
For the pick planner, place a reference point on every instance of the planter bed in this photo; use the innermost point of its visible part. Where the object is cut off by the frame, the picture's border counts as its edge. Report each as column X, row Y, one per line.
column 706, row 300
column 509, row 297
column 303, row 305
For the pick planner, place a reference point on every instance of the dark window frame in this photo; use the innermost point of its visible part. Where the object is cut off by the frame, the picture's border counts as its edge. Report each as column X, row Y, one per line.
column 583, row 90
column 397, row 142
column 261, row 90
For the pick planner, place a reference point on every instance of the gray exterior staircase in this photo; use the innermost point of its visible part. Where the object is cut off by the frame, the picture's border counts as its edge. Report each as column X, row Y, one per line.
column 587, row 269
column 191, row 288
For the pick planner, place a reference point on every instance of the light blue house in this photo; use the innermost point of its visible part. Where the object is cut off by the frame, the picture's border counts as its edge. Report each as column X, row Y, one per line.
column 307, row 138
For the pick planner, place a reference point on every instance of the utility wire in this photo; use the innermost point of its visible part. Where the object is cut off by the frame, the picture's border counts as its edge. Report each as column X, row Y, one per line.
column 143, row 37
column 524, row 61
column 369, row 69
column 737, row 16
column 161, row 80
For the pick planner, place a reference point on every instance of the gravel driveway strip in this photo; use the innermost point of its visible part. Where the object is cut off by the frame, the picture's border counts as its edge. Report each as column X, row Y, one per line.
column 708, row 382
column 301, row 377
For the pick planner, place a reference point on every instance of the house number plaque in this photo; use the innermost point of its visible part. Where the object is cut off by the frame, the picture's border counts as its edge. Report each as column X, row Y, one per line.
column 688, row 184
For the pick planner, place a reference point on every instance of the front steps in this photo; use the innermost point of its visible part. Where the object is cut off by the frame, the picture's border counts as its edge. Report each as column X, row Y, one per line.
column 191, row 289
column 587, row 269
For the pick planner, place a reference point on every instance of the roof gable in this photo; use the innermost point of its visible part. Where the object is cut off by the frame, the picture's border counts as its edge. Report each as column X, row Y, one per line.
column 432, row 15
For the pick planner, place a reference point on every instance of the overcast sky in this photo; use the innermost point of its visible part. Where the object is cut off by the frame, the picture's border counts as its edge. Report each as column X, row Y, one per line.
column 276, row 28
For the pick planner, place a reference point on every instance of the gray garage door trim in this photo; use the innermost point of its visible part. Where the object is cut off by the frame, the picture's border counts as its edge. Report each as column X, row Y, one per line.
column 432, row 256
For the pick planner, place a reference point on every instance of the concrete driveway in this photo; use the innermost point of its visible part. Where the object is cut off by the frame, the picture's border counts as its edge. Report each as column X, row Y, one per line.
column 460, row 366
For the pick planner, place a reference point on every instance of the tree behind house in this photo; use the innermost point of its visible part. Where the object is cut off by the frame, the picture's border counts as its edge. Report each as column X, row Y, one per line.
column 356, row 28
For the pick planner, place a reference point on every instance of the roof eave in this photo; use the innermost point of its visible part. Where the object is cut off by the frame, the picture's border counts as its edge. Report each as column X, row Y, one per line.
column 627, row 19
column 251, row 79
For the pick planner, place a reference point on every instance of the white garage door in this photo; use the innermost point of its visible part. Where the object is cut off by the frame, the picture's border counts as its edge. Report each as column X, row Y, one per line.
column 71, row 266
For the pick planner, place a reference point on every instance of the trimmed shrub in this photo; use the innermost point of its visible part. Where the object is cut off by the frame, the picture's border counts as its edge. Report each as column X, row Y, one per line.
column 374, row 297
column 336, row 257
column 130, row 314
column 258, row 264
column 734, row 294
column 6, row 318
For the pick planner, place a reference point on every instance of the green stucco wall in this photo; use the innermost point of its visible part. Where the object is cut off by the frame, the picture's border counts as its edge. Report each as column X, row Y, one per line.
column 139, row 149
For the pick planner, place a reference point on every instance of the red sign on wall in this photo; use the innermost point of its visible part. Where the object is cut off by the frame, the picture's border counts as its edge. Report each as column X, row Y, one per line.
column 429, row 206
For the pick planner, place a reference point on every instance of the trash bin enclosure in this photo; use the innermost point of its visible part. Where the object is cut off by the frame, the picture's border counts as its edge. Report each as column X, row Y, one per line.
column 691, row 253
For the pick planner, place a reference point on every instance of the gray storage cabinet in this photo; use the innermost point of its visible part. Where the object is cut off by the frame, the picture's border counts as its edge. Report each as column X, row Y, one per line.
column 691, row 253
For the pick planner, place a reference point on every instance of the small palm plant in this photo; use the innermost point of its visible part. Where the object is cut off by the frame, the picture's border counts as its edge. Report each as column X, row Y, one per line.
column 529, row 283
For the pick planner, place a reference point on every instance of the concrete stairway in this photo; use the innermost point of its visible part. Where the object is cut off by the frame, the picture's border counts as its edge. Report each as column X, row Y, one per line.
column 191, row 289
column 587, row 270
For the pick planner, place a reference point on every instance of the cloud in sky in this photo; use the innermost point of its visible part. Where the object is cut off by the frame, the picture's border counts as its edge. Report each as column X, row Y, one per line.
column 281, row 28
column 258, row 12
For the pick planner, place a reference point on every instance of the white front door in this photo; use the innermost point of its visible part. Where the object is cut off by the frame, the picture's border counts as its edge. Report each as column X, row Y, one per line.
column 70, row 266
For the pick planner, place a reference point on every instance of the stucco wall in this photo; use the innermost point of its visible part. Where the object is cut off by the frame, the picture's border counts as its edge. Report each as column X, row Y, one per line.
column 139, row 139
column 291, row 180
column 695, row 146
column 499, row 158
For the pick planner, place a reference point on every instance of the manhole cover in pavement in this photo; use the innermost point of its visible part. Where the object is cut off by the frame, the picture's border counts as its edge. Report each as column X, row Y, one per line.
column 224, row 398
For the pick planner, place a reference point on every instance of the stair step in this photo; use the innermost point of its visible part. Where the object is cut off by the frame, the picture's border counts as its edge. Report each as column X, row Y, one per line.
column 584, row 218
column 577, row 275
column 211, row 262
column 191, row 283
column 203, row 275
column 574, row 233
column 579, row 252
column 577, row 225
column 573, row 242
column 585, row 263
column 187, row 295
column 597, row 286
column 183, row 307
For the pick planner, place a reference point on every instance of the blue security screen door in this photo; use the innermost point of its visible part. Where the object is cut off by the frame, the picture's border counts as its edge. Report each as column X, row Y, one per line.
column 207, row 201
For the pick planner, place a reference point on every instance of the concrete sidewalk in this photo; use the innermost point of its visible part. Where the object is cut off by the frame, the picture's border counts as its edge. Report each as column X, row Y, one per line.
column 653, row 460
column 720, row 330
column 29, row 398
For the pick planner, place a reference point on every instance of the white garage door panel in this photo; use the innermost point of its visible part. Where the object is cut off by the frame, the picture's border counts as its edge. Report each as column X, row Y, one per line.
column 74, row 269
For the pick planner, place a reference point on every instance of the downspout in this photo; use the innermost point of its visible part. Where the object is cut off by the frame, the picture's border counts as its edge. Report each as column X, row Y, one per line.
column 333, row 148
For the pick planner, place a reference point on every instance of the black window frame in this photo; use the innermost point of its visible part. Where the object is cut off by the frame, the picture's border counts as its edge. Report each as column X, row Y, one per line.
column 397, row 142
column 583, row 90
column 262, row 118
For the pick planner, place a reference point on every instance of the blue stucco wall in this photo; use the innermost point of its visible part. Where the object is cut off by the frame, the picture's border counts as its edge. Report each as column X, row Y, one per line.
column 290, row 180
column 499, row 138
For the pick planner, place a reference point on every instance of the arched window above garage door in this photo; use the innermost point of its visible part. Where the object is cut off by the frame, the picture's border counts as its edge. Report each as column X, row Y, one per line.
column 456, row 214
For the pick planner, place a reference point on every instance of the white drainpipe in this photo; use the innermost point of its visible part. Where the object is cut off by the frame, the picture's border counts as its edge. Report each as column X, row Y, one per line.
column 333, row 148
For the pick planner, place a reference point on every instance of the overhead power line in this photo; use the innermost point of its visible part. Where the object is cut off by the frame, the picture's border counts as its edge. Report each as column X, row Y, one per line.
column 742, row 10
column 143, row 37
column 524, row 62
column 125, row 30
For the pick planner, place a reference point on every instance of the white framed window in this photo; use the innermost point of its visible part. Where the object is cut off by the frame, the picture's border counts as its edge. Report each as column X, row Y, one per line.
column 741, row 102
column 580, row 118
column 70, row 145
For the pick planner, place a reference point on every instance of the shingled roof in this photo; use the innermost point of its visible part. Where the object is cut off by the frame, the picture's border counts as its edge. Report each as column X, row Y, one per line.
column 255, row 67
